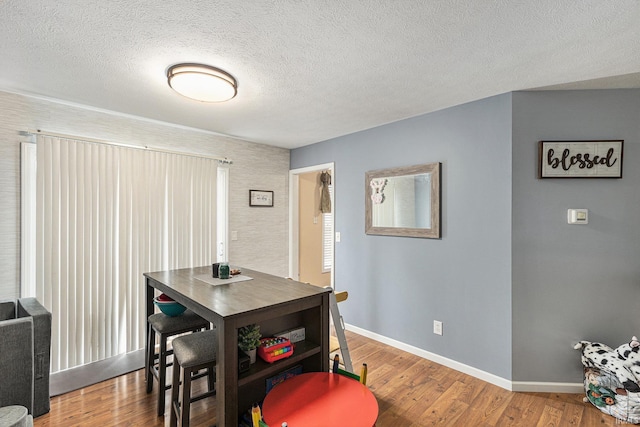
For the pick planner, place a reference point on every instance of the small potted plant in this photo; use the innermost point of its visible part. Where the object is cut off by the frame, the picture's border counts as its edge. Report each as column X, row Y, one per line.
column 249, row 340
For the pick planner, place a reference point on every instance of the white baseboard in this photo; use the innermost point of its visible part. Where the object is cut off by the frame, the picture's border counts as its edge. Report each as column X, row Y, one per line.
column 539, row 387
column 519, row 386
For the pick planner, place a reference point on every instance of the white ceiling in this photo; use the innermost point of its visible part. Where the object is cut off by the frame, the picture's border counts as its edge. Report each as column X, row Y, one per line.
column 310, row 70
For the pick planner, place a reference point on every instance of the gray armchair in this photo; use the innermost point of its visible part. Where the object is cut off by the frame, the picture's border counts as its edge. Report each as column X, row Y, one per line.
column 25, row 350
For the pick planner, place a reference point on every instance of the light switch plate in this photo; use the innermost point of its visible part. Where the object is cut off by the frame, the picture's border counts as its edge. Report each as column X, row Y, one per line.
column 578, row 216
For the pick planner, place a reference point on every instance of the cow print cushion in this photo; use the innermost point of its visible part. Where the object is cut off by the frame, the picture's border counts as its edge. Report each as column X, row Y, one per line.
column 612, row 378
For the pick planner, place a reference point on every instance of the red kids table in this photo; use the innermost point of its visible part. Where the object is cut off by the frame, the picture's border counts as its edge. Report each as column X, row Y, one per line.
column 320, row 399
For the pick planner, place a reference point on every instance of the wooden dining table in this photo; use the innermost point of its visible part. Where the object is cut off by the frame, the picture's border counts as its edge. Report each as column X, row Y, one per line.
column 275, row 303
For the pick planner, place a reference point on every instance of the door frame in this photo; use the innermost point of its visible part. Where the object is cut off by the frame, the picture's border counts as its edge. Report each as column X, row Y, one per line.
column 294, row 220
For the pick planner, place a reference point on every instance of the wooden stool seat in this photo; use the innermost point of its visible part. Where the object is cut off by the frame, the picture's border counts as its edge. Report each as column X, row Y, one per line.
column 191, row 353
column 166, row 326
column 187, row 321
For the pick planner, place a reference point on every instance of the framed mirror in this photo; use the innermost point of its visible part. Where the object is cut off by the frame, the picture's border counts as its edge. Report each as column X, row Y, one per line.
column 403, row 201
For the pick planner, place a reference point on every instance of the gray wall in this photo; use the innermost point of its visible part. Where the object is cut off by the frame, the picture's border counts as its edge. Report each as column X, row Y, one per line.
column 262, row 233
column 515, row 285
column 573, row 282
column 398, row 286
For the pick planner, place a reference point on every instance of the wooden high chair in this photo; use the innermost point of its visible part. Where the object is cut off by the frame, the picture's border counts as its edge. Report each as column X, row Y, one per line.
column 338, row 344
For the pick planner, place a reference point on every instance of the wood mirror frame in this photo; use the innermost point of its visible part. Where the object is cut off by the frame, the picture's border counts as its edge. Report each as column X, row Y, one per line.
column 433, row 231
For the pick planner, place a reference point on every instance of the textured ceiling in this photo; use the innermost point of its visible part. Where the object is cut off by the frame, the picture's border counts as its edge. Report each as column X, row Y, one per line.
column 310, row 70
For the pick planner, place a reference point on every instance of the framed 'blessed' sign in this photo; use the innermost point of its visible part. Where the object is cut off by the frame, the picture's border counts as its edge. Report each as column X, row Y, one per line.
column 580, row 159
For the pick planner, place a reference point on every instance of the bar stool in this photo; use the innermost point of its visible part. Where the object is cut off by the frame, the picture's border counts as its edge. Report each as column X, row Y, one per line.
column 191, row 353
column 15, row 416
column 166, row 326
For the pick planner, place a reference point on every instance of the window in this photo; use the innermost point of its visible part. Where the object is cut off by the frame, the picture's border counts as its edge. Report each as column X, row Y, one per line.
column 222, row 219
column 327, row 237
column 106, row 214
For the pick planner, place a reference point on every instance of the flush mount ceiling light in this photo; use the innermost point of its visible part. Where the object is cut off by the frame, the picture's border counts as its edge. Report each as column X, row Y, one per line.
column 202, row 82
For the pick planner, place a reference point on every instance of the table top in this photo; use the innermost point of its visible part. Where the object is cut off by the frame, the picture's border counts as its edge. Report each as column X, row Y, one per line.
column 320, row 399
column 234, row 298
column 276, row 303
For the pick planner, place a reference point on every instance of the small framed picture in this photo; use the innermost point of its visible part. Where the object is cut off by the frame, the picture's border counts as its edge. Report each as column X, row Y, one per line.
column 261, row 198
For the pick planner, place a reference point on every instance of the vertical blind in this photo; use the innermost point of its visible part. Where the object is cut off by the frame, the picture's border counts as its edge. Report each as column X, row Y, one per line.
column 105, row 215
column 327, row 237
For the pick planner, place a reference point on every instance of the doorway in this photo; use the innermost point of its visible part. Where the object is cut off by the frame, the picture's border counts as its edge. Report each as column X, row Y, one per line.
column 311, row 232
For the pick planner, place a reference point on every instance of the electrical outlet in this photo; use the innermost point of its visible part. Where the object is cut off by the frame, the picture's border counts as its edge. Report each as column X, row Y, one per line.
column 437, row 327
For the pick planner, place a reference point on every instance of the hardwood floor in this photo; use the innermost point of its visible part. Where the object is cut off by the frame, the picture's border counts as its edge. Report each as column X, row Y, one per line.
column 411, row 391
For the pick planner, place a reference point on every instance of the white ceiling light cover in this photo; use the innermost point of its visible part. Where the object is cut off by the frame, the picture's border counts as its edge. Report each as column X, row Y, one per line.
column 202, row 82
